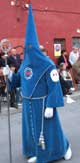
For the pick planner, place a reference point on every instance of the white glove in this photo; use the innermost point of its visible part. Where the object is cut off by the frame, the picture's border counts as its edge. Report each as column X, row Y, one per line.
column 6, row 70
column 48, row 113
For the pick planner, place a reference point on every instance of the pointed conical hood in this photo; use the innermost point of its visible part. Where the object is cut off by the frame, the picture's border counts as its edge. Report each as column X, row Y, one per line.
column 35, row 63
column 31, row 34
column 33, row 55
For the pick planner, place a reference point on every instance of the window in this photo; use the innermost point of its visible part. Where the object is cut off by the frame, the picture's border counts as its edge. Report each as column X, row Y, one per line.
column 61, row 41
column 76, row 41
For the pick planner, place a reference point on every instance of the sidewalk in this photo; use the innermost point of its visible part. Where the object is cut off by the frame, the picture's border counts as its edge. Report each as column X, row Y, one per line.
column 73, row 97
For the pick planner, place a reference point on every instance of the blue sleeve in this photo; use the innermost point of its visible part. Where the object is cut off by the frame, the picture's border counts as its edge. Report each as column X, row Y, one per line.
column 55, row 95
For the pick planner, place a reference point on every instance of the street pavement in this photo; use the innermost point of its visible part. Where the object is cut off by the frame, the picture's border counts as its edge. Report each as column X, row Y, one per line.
column 70, row 119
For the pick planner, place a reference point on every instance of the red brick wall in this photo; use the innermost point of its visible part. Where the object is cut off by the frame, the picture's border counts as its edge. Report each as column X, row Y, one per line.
column 49, row 21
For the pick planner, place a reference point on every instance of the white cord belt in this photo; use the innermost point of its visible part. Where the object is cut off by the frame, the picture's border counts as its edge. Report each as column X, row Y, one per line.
column 41, row 137
column 33, row 98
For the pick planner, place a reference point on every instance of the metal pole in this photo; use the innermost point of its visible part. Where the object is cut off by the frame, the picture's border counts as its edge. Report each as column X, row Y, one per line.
column 9, row 123
column 0, row 104
column 6, row 46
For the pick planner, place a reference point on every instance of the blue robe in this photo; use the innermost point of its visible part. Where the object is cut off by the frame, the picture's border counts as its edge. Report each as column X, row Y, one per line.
column 40, row 88
column 47, row 89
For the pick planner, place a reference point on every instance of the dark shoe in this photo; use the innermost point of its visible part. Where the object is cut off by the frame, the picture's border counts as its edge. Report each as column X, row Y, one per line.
column 14, row 106
column 69, row 92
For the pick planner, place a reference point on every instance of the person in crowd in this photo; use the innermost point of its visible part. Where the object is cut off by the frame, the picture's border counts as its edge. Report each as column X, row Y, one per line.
column 2, row 78
column 64, row 59
column 74, row 55
column 2, row 84
column 74, row 59
column 14, row 62
column 12, row 70
column 14, row 58
column 2, row 59
column 65, row 79
column 42, row 135
column 44, row 50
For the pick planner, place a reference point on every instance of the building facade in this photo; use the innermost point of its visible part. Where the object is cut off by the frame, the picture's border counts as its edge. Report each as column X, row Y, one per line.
column 57, row 22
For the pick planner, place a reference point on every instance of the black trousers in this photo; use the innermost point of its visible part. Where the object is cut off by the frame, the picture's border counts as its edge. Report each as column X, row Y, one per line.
column 12, row 97
column 65, row 85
